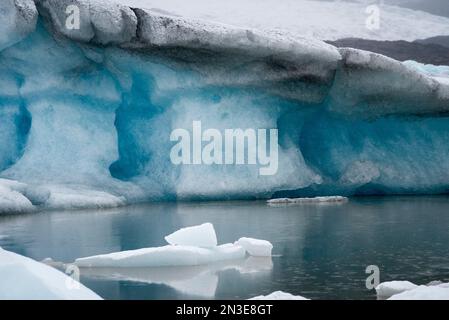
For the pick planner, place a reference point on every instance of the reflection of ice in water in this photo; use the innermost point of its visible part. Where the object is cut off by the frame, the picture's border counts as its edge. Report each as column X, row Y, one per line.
column 196, row 280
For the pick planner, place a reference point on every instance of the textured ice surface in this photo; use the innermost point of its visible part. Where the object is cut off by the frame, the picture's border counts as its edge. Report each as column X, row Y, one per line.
column 18, row 19
column 255, row 247
column 22, row 278
column 86, row 115
column 199, row 236
column 388, row 289
column 326, row 20
column 164, row 256
column 279, row 295
column 101, row 21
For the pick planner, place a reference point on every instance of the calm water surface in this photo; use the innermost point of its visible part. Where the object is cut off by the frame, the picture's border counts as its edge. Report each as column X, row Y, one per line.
column 320, row 251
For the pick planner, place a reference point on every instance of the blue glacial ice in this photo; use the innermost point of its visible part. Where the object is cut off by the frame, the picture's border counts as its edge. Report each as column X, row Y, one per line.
column 86, row 115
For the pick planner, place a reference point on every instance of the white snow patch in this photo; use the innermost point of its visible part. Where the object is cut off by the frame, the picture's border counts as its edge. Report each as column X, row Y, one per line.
column 22, row 278
column 279, row 295
column 438, row 292
column 325, row 20
column 255, row 247
column 390, row 288
column 200, row 236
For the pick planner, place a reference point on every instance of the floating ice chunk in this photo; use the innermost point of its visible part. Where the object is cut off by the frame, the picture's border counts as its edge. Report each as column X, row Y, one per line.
column 164, row 256
column 330, row 199
column 255, row 247
column 199, row 236
column 438, row 292
column 390, row 288
column 279, row 295
column 25, row 279
column 12, row 199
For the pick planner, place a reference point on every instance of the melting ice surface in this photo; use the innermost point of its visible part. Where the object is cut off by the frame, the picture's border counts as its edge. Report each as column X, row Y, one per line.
column 86, row 116
column 319, row 251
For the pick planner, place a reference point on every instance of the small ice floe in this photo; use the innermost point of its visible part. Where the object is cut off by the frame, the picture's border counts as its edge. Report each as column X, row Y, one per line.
column 164, row 256
column 178, row 253
column 255, row 247
column 200, row 236
column 438, row 292
column 22, row 278
column 279, row 295
column 315, row 200
column 387, row 289
column 406, row 290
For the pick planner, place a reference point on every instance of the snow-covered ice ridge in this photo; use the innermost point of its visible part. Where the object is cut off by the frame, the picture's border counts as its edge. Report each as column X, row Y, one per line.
column 86, row 114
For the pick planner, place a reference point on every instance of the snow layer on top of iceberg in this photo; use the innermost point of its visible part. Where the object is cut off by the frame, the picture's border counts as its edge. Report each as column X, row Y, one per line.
column 279, row 295
column 22, row 278
column 199, row 236
column 18, row 19
column 325, row 20
column 375, row 85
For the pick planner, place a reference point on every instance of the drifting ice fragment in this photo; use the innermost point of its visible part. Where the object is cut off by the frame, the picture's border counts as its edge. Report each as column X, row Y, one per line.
column 255, row 247
column 390, row 288
column 439, row 292
column 25, row 279
column 199, row 236
column 279, row 295
column 164, row 256
column 308, row 200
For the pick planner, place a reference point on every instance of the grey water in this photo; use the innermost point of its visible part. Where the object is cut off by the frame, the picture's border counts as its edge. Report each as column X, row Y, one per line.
column 321, row 251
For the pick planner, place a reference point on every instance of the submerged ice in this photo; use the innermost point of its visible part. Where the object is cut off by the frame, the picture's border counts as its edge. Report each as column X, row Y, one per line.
column 86, row 115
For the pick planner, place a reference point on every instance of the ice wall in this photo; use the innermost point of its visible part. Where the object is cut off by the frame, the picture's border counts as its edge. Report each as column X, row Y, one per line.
column 86, row 115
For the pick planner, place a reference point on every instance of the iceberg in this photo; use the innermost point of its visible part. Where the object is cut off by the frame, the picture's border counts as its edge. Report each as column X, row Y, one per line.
column 279, row 295
column 22, row 278
column 199, row 236
column 87, row 113
column 191, row 246
column 255, row 247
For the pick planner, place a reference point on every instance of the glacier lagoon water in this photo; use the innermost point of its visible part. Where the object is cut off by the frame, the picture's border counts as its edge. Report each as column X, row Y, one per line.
column 320, row 251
